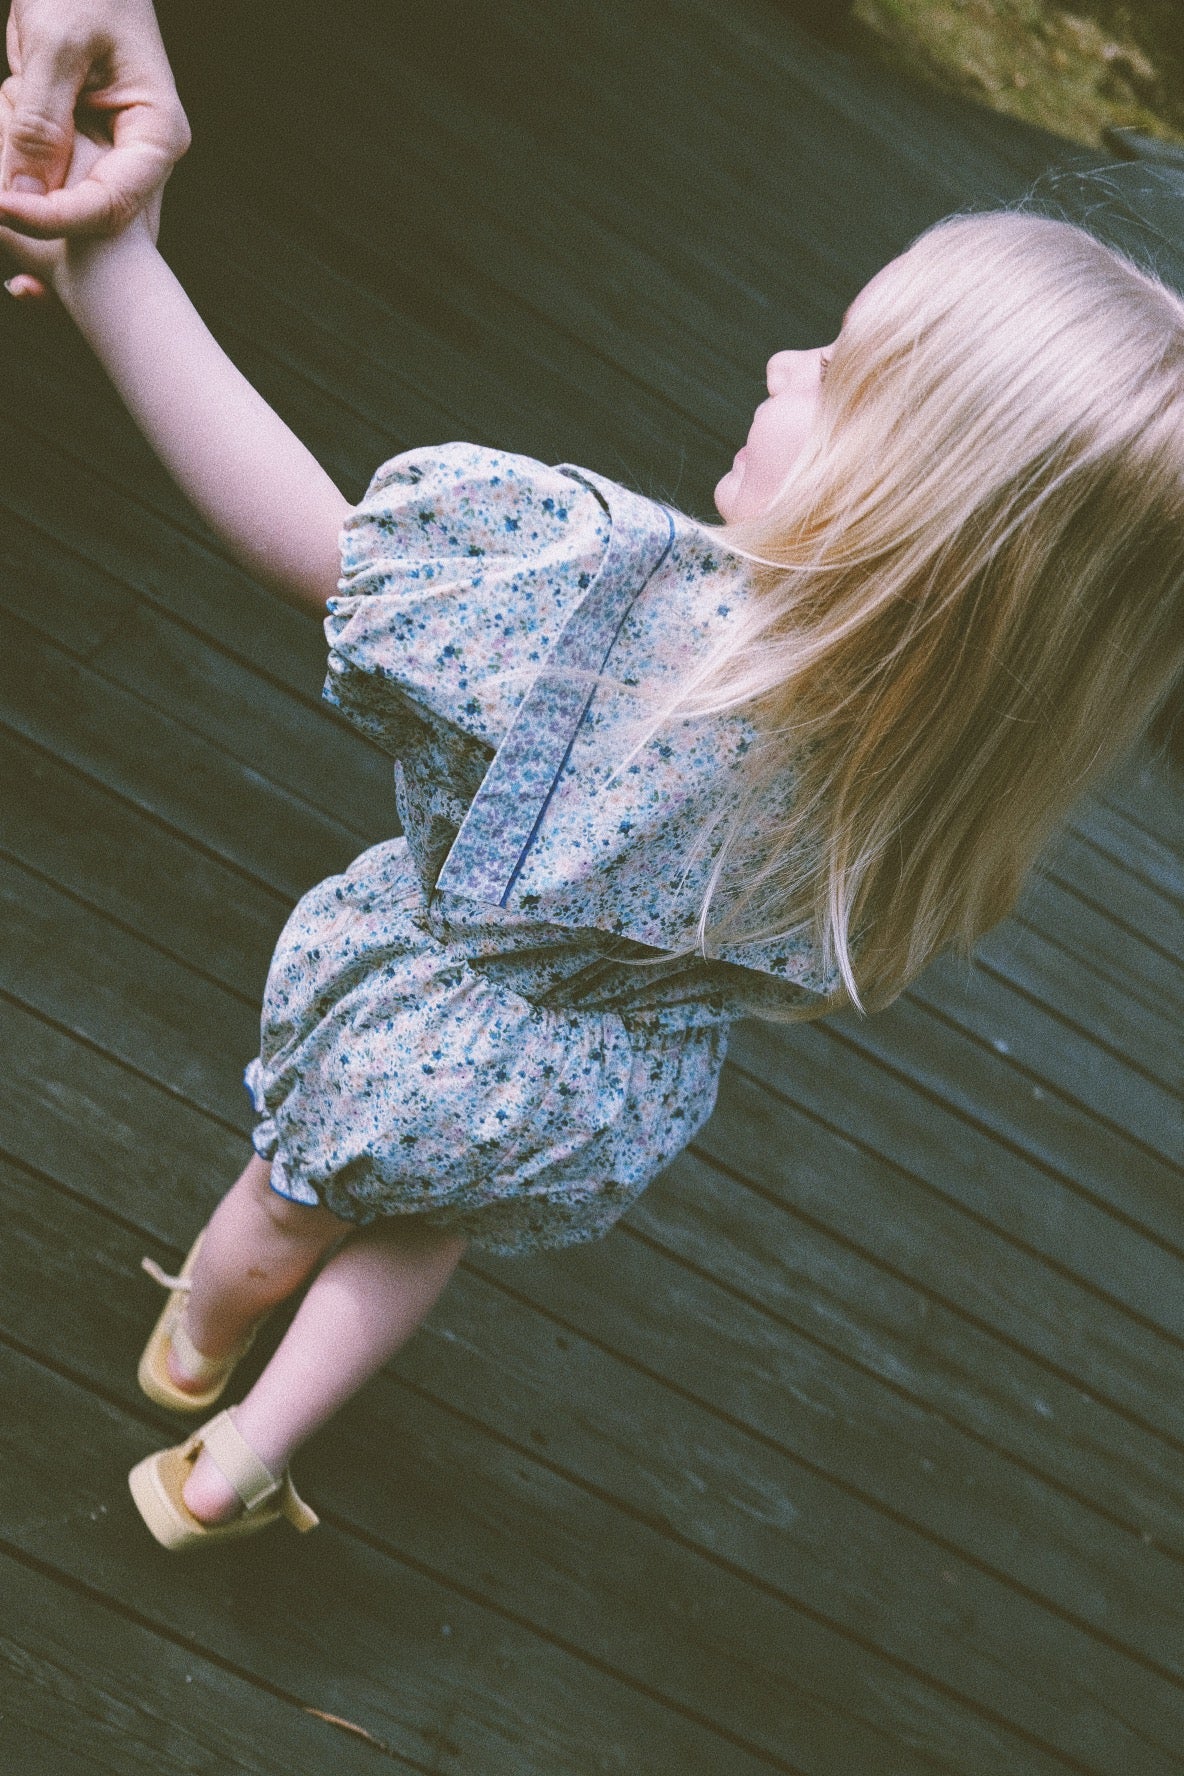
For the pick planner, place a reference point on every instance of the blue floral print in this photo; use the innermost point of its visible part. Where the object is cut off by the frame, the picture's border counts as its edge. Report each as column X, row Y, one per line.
column 518, row 1071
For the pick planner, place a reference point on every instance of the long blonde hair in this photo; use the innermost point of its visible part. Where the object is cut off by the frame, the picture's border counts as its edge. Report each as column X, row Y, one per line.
column 968, row 595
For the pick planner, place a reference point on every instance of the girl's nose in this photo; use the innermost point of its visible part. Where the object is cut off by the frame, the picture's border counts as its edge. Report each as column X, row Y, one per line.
column 777, row 371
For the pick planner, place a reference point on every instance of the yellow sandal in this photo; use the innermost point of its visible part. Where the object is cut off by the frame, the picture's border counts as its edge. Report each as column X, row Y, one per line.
column 153, row 1374
column 156, row 1484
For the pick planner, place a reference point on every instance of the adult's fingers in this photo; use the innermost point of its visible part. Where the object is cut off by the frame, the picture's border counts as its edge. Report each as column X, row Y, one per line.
column 23, row 285
column 119, row 67
column 39, row 130
column 102, row 203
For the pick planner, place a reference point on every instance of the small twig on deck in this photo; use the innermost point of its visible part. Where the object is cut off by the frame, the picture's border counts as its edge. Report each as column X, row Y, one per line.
column 348, row 1726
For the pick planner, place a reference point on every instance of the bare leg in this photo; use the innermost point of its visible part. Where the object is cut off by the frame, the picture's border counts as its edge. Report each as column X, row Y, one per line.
column 258, row 1248
column 364, row 1305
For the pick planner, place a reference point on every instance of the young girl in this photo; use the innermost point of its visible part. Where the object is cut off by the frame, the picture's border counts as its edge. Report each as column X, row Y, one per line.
column 652, row 775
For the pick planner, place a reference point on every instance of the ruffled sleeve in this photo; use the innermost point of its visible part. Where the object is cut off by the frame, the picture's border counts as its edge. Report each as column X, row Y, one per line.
column 457, row 570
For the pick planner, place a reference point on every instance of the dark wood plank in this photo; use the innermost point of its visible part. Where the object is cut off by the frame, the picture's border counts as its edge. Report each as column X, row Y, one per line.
column 860, row 1086
column 420, row 1665
column 1119, row 895
column 1150, row 792
column 125, row 997
column 906, row 1435
column 955, row 1260
column 204, row 689
column 87, row 1688
column 107, row 1134
column 126, row 528
column 111, row 856
column 1124, row 963
column 1147, row 857
column 220, row 803
column 440, row 1452
column 944, row 1104
column 1051, row 978
column 1049, row 1051
column 593, row 1292
column 820, row 1270
column 466, row 1489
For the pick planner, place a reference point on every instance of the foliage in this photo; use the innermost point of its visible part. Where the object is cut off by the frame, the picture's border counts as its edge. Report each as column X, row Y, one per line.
column 1071, row 69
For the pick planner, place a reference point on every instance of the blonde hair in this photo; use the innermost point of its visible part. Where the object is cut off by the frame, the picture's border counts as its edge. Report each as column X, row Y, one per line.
column 968, row 596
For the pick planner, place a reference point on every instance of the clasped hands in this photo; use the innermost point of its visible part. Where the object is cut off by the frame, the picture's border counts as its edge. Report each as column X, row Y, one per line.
column 90, row 129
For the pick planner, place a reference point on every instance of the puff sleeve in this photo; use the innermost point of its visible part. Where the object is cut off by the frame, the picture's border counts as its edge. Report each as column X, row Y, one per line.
column 458, row 568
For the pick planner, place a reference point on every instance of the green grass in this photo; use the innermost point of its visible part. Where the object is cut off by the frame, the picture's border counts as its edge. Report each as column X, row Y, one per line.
column 1073, row 69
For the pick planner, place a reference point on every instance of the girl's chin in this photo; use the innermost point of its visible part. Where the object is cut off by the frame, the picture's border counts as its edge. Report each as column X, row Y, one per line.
column 726, row 490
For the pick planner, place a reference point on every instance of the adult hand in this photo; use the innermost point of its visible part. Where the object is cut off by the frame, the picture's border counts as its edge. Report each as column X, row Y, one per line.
column 106, row 58
column 44, row 261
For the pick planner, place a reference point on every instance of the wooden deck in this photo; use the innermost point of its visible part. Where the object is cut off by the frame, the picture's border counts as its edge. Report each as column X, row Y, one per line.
column 856, row 1450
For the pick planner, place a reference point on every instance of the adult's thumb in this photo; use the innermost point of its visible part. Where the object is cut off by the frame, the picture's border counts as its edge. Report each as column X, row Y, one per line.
column 39, row 120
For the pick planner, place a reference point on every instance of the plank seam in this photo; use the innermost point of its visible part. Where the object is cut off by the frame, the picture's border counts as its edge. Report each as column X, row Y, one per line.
column 1007, row 1142
column 1048, row 1086
column 1053, row 1484
column 120, row 1061
column 146, row 811
column 143, row 595
column 71, row 1582
column 1175, row 902
column 877, row 1507
column 808, row 1610
column 280, row 790
column 663, row 1527
column 957, row 1312
column 1134, row 987
column 1108, row 912
column 1056, row 1012
column 974, row 1215
column 400, row 1557
column 251, row 1000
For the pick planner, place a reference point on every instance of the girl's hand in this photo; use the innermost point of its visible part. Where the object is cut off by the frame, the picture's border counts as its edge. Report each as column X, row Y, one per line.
column 39, row 264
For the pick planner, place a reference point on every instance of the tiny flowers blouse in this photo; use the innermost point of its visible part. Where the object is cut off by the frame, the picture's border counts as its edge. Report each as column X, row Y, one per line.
column 499, row 1021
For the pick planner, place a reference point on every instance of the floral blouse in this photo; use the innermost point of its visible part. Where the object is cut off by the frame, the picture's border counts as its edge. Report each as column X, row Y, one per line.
column 461, row 570
column 499, row 1022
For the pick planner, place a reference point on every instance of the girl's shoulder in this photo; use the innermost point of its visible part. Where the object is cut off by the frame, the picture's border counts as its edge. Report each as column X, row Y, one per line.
column 443, row 500
column 460, row 567
column 468, row 504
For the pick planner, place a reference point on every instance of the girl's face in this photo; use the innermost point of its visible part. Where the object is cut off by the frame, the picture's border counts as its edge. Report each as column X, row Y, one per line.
column 780, row 427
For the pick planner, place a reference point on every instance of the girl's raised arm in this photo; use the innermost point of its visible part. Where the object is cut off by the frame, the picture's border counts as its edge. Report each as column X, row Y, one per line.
column 251, row 479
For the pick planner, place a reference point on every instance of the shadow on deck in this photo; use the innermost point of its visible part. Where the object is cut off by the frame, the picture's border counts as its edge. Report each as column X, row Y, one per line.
column 855, row 1451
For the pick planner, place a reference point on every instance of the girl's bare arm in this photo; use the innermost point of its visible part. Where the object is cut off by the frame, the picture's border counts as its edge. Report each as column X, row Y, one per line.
column 251, row 479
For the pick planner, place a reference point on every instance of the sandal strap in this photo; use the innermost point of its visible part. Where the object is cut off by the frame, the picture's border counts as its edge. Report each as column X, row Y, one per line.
column 252, row 1480
column 299, row 1515
column 197, row 1366
column 184, row 1284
